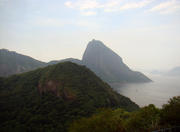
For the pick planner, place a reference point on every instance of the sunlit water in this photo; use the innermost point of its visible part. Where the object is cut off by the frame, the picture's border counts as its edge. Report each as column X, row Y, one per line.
column 158, row 92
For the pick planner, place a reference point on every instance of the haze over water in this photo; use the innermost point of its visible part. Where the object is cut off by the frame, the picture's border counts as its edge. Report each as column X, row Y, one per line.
column 158, row 92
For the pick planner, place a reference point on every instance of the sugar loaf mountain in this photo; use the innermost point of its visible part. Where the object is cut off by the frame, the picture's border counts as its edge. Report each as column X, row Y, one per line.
column 108, row 65
column 39, row 96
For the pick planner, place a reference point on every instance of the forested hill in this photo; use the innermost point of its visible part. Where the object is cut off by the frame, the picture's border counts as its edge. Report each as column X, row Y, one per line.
column 48, row 99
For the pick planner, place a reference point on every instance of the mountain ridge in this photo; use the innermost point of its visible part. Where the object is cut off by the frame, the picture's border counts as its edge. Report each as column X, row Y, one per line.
column 12, row 62
column 107, row 64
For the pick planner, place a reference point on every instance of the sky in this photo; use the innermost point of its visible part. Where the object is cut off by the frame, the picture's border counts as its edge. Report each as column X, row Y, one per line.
column 145, row 33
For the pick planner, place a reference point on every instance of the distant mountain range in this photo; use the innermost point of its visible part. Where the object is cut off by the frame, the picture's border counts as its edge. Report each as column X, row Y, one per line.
column 99, row 58
column 172, row 72
column 14, row 63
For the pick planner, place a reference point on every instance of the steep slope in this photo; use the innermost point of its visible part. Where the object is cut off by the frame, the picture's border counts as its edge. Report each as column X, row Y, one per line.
column 13, row 63
column 48, row 99
column 108, row 65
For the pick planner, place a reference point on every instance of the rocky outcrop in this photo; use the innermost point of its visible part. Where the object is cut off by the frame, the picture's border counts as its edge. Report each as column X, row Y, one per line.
column 57, row 88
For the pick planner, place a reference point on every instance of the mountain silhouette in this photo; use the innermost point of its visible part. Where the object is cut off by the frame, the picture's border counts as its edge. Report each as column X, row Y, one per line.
column 14, row 63
column 108, row 65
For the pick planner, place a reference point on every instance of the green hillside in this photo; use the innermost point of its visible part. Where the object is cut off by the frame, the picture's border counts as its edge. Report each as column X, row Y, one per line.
column 146, row 119
column 48, row 99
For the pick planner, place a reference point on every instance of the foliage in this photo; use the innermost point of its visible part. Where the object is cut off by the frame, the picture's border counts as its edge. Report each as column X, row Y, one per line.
column 50, row 98
column 171, row 112
column 104, row 121
column 145, row 119
column 67, row 95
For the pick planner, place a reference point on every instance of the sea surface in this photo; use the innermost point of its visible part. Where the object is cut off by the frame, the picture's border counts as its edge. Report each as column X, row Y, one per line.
column 158, row 92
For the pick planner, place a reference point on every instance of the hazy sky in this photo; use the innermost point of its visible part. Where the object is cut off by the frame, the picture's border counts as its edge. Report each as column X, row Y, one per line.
column 145, row 33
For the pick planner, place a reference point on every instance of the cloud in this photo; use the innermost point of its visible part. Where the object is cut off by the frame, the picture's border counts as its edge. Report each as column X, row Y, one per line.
column 166, row 7
column 129, row 6
column 93, row 4
column 89, row 7
column 69, row 4
column 89, row 13
column 134, row 5
column 82, row 4
column 162, row 5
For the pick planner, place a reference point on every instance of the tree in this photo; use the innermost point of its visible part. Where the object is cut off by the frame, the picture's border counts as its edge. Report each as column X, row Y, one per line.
column 171, row 112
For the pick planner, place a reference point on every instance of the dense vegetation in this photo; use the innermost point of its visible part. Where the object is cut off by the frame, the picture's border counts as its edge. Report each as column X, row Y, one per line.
column 145, row 119
column 50, row 98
